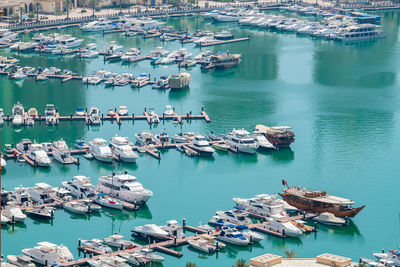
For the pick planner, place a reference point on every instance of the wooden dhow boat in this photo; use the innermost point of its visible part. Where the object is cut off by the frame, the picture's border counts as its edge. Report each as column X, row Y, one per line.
column 319, row 201
column 277, row 135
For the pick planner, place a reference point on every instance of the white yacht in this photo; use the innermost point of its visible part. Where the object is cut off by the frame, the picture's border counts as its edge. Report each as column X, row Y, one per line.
column 6, row 34
column 202, row 245
column 125, row 187
column 109, row 202
column 144, row 138
column 149, row 255
column 38, row 155
column 94, row 116
column 24, row 146
column 61, row 152
column 150, row 230
column 122, row 149
column 41, row 193
column 96, row 244
column 169, row 111
column 112, row 47
column 95, row 26
column 48, row 253
column 89, row 54
column 201, row 145
column 76, row 207
column 233, row 236
column 242, row 141
column 265, row 205
column 173, row 229
column 13, row 211
column 70, row 42
column 100, row 150
column 50, row 114
column 118, row 242
column 262, row 141
column 80, row 187
column 132, row 55
column 21, row 260
column 154, row 118
column 284, row 227
column 235, row 217
column 360, row 32
column 109, row 261
column 18, row 112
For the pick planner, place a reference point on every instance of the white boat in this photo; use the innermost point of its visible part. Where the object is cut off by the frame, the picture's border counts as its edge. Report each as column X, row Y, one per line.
column 232, row 236
column 235, row 217
column 227, row 18
column 96, row 244
column 121, row 147
column 18, row 112
column 224, row 35
column 41, row 193
column 95, row 26
column 70, row 42
column 132, row 55
column 133, row 258
column 179, row 138
column 330, row 219
column 150, row 230
column 3, row 162
column 161, row 138
column 61, row 152
column 108, row 202
column 14, row 213
column 144, row 138
column 169, row 111
column 284, row 227
column 100, row 150
column 242, row 141
column 202, row 245
column 173, row 229
column 94, row 116
column 24, row 145
column 4, row 220
column 201, row 145
column 76, row 207
column 203, row 56
column 38, row 155
column 252, row 236
column 265, row 205
column 360, row 32
column 112, row 47
column 123, row 111
column 262, row 141
column 7, row 35
column 48, row 253
column 19, row 75
column 50, row 114
column 118, row 242
column 154, row 118
column 21, row 260
column 40, row 212
column 125, row 187
column 149, row 255
column 89, row 54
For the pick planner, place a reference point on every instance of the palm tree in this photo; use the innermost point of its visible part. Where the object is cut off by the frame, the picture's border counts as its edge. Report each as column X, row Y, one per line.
column 20, row 14
column 67, row 7
column 290, row 253
column 241, row 263
column 38, row 6
column 190, row 264
column 93, row 7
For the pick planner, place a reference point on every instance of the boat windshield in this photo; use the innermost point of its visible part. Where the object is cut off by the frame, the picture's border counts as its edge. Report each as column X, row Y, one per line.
column 247, row 141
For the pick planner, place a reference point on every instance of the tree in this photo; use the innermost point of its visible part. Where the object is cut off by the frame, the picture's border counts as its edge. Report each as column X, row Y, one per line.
column 290, row 253
column 241, row 263
column 67, row 7
column 20, row 14
column 190, row 264
column 38, row 7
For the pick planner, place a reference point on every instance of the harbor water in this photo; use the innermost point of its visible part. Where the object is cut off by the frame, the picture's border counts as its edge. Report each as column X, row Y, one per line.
column 342, row 101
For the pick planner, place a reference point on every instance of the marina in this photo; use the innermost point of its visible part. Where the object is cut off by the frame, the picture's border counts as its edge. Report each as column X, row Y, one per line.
column 206, row 167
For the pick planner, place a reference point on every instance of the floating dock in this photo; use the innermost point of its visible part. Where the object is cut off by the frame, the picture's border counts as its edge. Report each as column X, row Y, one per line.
column 225, row 42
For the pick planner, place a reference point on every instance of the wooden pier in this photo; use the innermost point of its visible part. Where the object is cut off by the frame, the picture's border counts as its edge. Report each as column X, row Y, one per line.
column 225, row 42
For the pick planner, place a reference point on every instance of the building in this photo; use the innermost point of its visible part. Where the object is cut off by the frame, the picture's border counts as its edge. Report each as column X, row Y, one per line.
column 323, row 260
column 11, row 7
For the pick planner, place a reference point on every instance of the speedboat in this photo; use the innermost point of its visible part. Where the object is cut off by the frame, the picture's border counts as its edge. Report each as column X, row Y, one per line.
column 48, row 253
column 123, row 111
column 76, row 207
column 80, row 187
column 108, row 202
column 61, row 152
column 150, row 230
column 14, row 213
column 94, row 116
column 20, row 260
column 80, row 112
column 153, row 116
column 330, row 219
column 38, row 155
column 252, row 236
column 121, row 147
column 262, row 141
column 18, row 112
column 149, row 255
column 96, row 244
column 202, row 245
column 89, row 54
column 233, row 236
column 144, row 138
column 125, row 186
column 100, row 150
column 224, row 35
column 133, row 258
column 169, row 111
column 201, row 145
column 80, row 144
column 173, row 229
column 242, row 141
column 285, row 227
column 118, row 242
column 235, row 217
column 179, row 138
column 132, row 55
column 265, row 205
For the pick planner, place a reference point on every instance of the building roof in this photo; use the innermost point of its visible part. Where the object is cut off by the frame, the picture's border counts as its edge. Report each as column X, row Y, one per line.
column 321, row 260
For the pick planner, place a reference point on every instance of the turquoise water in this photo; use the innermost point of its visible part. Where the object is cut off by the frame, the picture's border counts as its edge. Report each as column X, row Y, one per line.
column 341, row 100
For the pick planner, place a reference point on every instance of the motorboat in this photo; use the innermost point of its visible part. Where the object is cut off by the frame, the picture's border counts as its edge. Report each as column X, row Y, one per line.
column 100, row 150
column 150, row 230
column 21, row 196
column 232, row 236
column 3, row 162
column 41, row 193
column 201, row 145
column 80, row 112
column 18, row 112
column 76, row 207
column 24, row 145
column 174, row 229
column 81, row 144
column 61, row 152
column 125, row 187
column 221, row 146
column 21, row 260
column 144, row 138
column 121, row 147
column 89, row 54
column 123, row 111
column 189, row 136
column 47, row 146
column 203, row 56
column 18, row 75
column 224, row 35
column 133, row 258
column 161, row 138
column 154, row 118
column 50, row 114
column 1, row 116
column 112, row 261
column 96, row 26
column 265, row 205
column 132, row 55
column 108, row 202
column 149, row 255
column 118, row 242
column 112, row 47
column 330, row 219
column 92, row 207
column 235, row 217
column 262, row 141
column 80, row 187
column 70, row 42
column 283, row 226
column 242, row 141
column 202, row 245
column 252, row 236
column 94, row 116
column 4, row 220
column 38, row 155
column 169, row 111
column 96, row 244
column 47, row 253
column 33, row 113
column 14, row 213
column 179, row 138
